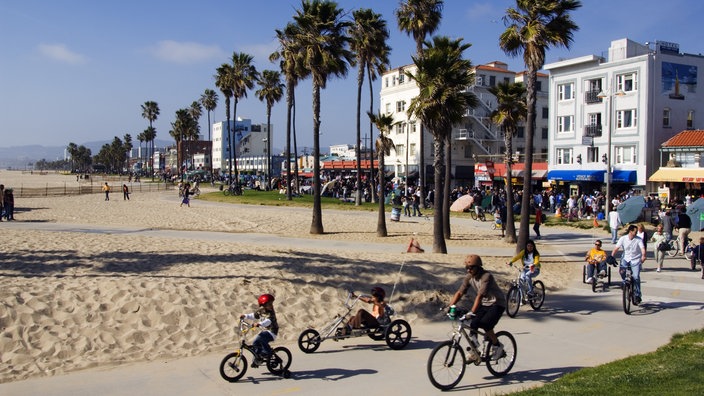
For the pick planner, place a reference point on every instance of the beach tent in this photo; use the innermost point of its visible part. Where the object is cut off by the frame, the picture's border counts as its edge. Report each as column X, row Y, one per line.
column 630, row 209
column 695, row 211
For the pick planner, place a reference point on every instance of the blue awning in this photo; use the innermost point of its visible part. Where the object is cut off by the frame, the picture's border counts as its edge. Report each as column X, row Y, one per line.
column 624, row 176
column 577, row 175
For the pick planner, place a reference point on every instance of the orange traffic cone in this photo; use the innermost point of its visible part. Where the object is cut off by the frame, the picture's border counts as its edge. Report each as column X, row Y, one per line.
column 596, row 223
column 414, row 247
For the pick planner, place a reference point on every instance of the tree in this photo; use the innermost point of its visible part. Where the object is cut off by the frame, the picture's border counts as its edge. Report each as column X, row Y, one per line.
column 368, row 36
column 223, row 80
column 150, row 111
column 323, row 44
column 184, row 128
column 510, row 111
column 128, row 149
column 384, row 144
column 271, row 90
column 209, row 100
column 72, row 150
column 442, row 77
column 141, row 139
column 195, row 111
column 419, row 18
column 244, row 74
column 533, row 27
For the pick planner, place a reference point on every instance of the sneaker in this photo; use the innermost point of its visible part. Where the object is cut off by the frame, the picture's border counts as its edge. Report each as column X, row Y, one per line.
column 258, row 361
column 657, row 270
column 637, row 301
column 602, row 273
column 590, row 280
column 497, row 351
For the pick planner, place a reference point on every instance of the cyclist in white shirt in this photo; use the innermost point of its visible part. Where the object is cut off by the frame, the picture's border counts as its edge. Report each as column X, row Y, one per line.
column 633, row 256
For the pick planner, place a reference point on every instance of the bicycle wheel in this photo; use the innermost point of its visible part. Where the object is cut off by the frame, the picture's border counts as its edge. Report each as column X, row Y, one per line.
column 513, row 301
column 493, row 226
column 674, row 248
column 226, row 192
column 504, row 363
column 538, row 295
column 688, row 253
column 482, row 216
column 627, row 290
column 233, row 367
column 398, row 334
column 279, row 361
column 594, row 282
column 446, row 365
column 309, row 341
column 473, row 214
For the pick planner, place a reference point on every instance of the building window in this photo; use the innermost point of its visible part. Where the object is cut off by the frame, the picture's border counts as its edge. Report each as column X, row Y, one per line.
column 386, row 82
column 593, row 127
column 413, row 150
column 492, row 81
column 626, row 155
column 563, row 156
column 400, row 151
column 399, row 128
column 401, row 106
column 626, row 119
column 690, row 119
column 565, row 91
column 544, row 133
column 401, row 77
column 593, row 154
column 412, row 127
column 564, row 123
column 481, row 80
column 666, row 117
column 538, row 86
column 627, row 82
column 520, row 132
column 546, row 113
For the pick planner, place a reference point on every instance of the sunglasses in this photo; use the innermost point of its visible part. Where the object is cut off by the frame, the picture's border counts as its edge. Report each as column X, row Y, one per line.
column 469, row 269
column 597, row 244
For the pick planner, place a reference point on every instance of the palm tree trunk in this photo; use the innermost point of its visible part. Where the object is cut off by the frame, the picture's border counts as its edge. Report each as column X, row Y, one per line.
column 439, row 162
column 358, row 152
column 448, row 179
column 289, row 106
column 381, row 219
column 316, row 226
column 295, row 149
column 524, row 231
column 268, row 148
column 234, row 138
column 510, row 226
column 210, row 151
column 371, row 146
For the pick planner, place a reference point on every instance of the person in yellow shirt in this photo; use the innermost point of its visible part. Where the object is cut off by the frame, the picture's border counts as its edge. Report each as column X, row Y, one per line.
column 106, row 190
column 596, row 260
column 530, row 258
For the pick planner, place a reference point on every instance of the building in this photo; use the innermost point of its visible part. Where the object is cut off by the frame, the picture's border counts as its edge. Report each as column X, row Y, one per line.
column 475, row 140
column 249, row 142
column 682, row 166
column 611, row 113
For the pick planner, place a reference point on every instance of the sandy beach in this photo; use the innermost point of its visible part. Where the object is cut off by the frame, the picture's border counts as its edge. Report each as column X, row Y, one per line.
column 71, row 300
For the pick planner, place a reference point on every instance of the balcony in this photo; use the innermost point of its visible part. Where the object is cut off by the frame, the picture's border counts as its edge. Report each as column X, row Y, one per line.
column 462, row 134
column 592, row 130
column 592, row 97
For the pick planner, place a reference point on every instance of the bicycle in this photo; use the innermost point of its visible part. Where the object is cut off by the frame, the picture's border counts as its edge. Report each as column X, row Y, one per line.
column 234, row 365
column 233, row 189
column 517, row 295
column 447, row 362
column 497, row 223
column 396, row 333
column 629, row 295
column 478, row 213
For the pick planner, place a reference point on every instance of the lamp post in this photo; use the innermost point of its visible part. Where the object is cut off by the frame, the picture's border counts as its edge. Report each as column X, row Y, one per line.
column 405, row 128
column 608, row 95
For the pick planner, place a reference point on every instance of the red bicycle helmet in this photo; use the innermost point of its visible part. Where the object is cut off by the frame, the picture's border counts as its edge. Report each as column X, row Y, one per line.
column 265, row 298
column 378, row 292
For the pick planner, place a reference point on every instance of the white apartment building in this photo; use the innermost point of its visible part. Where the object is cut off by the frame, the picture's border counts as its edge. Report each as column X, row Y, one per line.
column 618, row 109
column 249, row 141
column 475, row 140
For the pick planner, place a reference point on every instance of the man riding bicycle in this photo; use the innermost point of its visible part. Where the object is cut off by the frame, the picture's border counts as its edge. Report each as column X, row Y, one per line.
column 633, row 256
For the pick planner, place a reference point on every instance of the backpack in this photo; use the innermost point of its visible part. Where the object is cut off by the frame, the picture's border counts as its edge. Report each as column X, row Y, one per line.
column 543, row 218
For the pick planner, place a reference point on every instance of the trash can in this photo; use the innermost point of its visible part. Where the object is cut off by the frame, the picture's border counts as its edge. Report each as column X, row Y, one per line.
column 395, row 214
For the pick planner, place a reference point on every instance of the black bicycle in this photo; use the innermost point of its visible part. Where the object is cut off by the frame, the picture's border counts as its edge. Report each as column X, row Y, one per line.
column 478, row 213
column 629, row 295
column 233, row 189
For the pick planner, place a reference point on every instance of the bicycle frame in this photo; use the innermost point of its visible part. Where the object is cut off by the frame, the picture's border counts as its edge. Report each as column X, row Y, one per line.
column 329, row 330
column 460, row 331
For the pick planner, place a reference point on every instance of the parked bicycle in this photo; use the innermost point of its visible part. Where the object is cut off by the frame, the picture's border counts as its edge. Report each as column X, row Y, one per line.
column 517, row 295
column 234, row 365
column 233, row 189
column 478, row 213
column 447, row 362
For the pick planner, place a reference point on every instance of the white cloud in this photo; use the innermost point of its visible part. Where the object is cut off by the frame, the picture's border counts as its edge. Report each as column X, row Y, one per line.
column 186, row 52
column 61, row 53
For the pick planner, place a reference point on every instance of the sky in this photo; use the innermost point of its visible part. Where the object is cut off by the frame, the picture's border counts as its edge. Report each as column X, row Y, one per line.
column 78, row 71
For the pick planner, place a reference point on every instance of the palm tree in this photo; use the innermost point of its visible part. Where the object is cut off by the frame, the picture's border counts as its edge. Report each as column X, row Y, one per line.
column 223, row 80
column 368, row 35
column 384, row 123
column 532, row 27
column 128, row 148
column 323, row 43
column 511, row 110
column 209, row 100
column 419, row 18
column 271, row 90
column 195, row 111
column 150, row 111
column 442, row 77
column 72, row 150
column 149, row 136
column 244, row 74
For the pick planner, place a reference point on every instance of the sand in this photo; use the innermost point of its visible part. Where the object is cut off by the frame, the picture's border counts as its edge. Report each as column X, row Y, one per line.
column 74, row 300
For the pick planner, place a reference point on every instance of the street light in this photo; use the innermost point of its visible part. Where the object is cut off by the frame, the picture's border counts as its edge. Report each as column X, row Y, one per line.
column 406, row 128
column 608, row 95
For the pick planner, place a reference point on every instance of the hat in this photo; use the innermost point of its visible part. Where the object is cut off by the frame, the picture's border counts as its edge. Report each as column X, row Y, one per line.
column 473, row 260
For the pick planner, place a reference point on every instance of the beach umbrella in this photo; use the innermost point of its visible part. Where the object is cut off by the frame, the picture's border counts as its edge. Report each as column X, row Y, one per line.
column 695, row 211
column 630, row 209
column 462, row 203
column 327, row 186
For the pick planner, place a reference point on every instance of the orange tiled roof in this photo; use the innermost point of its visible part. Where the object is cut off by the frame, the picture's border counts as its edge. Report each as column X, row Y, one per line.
column 690, row 138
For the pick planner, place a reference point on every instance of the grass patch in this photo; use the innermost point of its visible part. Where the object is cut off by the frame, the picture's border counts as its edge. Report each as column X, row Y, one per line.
column 676, row 368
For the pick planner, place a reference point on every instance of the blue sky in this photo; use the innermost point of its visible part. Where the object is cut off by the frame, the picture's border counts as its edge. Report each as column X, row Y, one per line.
column 79, row 70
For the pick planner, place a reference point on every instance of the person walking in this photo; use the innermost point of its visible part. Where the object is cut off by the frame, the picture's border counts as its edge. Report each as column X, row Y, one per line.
column 684, row 223
column 538, row 221
column 416, row 204
column 658, row 239
column 614, row 223
column 9, row 204
column 106, row 190
column 2, row 200
column 125, row 193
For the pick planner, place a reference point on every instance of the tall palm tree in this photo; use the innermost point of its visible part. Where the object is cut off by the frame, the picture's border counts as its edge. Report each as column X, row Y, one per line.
column 323, row 42
column 127, row 144
column 150, row 136
column 244, row 74
column 195, row 111
column 209, row 100
column 533, row 27
column 384, row 144
column 141, row 139
column 150, row 111
column 368, row 36
column 420, row 18
column 223, row 80
column 442, row 77
column 511, row 110
column 271, row 90
column 179, row 131
column 72, row 150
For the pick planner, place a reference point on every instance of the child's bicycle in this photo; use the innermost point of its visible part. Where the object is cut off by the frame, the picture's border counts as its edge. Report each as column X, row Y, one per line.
column 234, row 365
column 396, row 333
column 447, row 362
column 497, row 223
column 517, row 295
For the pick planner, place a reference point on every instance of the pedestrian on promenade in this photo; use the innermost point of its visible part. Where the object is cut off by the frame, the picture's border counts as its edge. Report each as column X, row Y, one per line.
column 614, row 223
column 538, row 221
column 125, row 193
column 106, row 190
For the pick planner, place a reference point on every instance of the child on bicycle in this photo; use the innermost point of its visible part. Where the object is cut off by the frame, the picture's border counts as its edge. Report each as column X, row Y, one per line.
column 596, row 260
column 363, row 317
column 489, row 304
column 530, row 258
column 266, row 317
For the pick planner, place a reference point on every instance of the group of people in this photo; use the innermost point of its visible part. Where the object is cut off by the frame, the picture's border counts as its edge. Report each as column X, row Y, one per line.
column 7, row 203
column 125, row 191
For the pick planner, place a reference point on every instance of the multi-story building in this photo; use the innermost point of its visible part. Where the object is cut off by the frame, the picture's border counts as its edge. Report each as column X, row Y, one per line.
column 475, row 140
column 613, row 112
column 249, row 141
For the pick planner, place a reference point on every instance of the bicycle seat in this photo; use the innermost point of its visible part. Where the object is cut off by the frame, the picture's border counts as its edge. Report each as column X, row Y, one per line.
column 611, row 260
